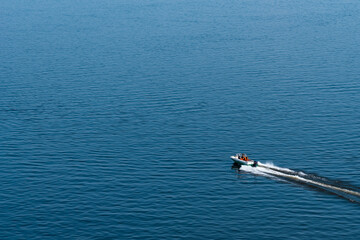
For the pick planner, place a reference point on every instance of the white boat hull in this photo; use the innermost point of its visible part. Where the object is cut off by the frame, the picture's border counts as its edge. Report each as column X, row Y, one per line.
column 243, row 162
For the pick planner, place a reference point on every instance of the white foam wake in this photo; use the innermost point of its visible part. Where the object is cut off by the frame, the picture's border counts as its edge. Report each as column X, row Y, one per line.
column 270, row 169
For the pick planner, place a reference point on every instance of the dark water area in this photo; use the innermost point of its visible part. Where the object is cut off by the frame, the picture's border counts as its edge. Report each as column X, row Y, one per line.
column 117, row 118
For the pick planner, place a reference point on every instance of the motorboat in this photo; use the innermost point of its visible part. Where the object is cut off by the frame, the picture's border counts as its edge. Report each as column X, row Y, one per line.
column 242, row 159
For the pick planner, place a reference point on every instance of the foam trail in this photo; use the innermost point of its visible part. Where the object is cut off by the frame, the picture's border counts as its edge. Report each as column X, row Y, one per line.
column 273, row 167
column 270, row 169
column 298, row 178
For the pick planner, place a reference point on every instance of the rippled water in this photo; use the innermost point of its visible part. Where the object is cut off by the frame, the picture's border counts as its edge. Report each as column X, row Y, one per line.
column 117, row 118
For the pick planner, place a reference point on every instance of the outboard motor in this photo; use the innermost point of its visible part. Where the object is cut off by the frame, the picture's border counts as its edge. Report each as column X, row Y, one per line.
column 255, row 164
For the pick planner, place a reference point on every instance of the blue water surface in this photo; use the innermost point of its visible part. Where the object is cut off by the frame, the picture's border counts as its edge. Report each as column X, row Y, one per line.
column 117, row 118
